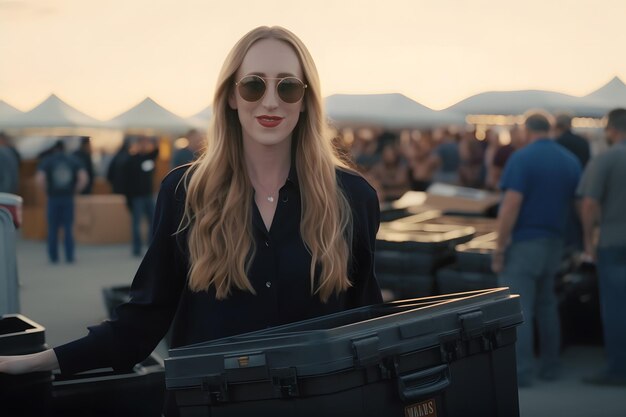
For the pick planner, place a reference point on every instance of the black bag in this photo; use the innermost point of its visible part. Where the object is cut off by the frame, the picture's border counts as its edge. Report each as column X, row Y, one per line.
column 579, row 304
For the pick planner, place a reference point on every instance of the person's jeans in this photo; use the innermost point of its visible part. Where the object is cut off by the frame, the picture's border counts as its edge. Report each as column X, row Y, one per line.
column 141, row 206
column 60, row 214
column 530, row 267
column 612, row 285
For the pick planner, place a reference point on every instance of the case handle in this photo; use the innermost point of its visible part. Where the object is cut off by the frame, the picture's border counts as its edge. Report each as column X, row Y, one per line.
column 427, row 382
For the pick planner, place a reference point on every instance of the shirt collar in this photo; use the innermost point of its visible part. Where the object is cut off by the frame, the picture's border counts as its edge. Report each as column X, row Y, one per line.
column 292, row 178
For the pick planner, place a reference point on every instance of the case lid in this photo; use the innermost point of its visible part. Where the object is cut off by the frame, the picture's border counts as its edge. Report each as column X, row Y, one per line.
column 345, row 341
column 422, row 236
column 20, row 335
column 484, row 244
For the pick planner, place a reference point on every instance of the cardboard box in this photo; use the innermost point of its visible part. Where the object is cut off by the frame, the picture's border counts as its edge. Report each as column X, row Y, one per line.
column 34, row 224
column 28, row 168
column 32, row 194
column 101, row 219
column 101, row 186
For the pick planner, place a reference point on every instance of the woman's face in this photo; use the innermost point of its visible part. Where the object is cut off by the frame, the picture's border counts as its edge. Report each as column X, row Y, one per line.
column 268, row 121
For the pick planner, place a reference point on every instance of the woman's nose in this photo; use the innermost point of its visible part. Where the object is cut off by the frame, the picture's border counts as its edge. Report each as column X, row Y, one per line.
column 271, row 99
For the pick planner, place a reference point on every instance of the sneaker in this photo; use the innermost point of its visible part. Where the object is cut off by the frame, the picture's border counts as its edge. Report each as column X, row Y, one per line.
column 605, row 380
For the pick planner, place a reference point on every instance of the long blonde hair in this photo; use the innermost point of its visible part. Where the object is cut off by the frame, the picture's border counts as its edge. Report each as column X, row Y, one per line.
column 219, row 192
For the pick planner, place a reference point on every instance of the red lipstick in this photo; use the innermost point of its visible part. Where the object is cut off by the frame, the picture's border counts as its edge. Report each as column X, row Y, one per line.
column 269, row 121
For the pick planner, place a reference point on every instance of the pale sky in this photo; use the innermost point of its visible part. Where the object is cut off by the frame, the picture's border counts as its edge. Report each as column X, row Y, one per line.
column 105, row 56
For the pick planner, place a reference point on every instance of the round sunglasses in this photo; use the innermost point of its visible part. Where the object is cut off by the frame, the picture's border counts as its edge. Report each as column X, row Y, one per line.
column 289, row 89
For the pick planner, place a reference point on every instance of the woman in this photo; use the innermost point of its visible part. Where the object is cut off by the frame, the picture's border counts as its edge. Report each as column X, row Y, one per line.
column 267, row 227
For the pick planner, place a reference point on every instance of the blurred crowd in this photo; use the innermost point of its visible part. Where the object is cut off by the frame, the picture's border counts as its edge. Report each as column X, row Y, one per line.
column 66, row 166
column 397, row 162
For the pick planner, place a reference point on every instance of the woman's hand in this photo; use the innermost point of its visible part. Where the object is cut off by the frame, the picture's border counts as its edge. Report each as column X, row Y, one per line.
column 35, row 362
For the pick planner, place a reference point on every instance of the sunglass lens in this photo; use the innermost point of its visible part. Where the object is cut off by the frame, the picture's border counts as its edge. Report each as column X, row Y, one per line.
column 290, row 90
column 252, row 88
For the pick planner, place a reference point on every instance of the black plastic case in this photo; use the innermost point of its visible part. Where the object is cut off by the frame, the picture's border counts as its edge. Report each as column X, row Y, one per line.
column 438, row 356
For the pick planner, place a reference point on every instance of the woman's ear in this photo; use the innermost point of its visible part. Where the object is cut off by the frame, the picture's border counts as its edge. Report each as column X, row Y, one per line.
column 232, row 100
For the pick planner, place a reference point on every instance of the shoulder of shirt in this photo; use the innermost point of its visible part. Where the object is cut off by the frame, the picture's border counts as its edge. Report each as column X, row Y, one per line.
column 609, row 156
column 354, row 185
column 173, row 181
column 533, row 149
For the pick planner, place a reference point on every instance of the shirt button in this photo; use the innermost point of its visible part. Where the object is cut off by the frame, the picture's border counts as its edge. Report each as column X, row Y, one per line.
column 267, row 243
column 268, row 284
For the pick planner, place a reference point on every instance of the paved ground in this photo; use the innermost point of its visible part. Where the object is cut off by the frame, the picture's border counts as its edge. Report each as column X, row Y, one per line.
column 67, row 298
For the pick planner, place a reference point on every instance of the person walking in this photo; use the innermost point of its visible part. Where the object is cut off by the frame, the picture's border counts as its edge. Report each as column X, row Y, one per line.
column 61, row 176
column 139, row 176
column 604, row 202
column 539, row 183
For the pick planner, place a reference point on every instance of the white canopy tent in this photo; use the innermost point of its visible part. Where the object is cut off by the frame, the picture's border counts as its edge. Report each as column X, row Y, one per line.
column 392, row 111
column 612, row 93
column 518, row 102
column 150, row 116
column 7, row 113
column 201, row 119
column 53, row 113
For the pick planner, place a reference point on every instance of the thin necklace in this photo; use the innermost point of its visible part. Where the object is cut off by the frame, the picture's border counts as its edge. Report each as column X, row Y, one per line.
column 268, row 196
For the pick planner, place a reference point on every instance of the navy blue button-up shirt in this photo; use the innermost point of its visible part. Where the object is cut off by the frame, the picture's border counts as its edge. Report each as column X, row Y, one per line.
column 279, row 274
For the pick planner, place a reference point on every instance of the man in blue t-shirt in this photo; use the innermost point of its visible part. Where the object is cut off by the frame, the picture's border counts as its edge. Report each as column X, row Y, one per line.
column 62, row 176
column 539, row 184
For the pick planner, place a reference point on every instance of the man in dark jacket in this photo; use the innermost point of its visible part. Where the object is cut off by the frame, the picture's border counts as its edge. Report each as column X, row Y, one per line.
column 569, row 140
column 578, row 146
column 139, row 175
column 115, row 171
column 83, row 154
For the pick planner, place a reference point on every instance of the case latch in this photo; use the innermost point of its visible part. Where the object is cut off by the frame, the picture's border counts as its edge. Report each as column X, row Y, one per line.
column 366, row 351
column 472, row 324
column 285, row 382
column 216, row 388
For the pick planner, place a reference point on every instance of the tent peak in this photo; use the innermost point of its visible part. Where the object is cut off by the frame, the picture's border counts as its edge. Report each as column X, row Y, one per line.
column 6, row 105
column 616, row 82
column 54, row 97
